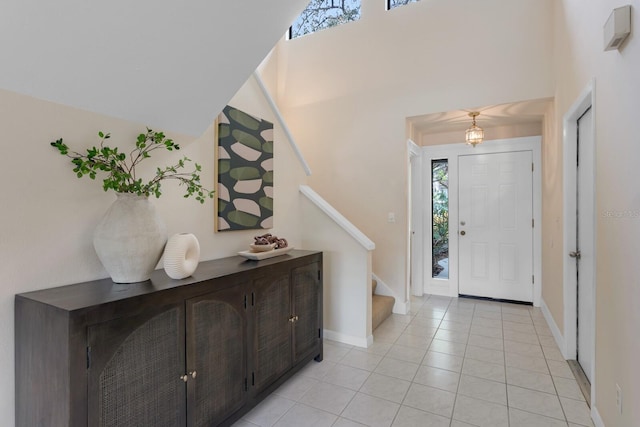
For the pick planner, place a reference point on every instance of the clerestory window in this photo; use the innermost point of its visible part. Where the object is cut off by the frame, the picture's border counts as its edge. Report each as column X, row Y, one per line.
column 321, row 14
column 395, row 3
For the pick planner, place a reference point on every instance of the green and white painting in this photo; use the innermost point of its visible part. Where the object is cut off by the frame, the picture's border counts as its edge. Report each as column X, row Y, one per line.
column 245, row 171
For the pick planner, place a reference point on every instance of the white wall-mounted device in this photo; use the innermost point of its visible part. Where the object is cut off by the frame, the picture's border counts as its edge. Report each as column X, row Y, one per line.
column 617, row 27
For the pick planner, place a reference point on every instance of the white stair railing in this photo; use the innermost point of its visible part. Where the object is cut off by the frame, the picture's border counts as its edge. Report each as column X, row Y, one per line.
column 283, row 123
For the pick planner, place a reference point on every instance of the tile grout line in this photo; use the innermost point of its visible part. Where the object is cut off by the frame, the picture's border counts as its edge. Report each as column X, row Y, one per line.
column 504, row 356
column 552, row 381
column 455, row 399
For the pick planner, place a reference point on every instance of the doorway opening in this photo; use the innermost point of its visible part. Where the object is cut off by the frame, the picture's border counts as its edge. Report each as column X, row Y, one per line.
column 518, row 190
column 579, row 240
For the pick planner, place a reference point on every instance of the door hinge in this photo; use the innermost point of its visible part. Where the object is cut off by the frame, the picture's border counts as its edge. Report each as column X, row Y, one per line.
column 253, row 299
column 531, row 167
column 533, row 223
column 245, row 302
column 533, row 279
column 88, row 357
column 253, row 378
column 319, row 333
column 318, row 275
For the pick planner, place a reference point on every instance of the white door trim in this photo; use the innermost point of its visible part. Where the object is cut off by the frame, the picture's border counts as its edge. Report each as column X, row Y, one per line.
column 415, row 227
column 585, row 100
column 451, row 152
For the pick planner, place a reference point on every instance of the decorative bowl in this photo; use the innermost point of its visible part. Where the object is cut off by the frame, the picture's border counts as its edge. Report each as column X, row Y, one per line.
column 262, row 248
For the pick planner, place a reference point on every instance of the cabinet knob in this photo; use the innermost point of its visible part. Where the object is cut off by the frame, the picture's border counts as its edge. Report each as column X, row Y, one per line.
column 193, row 374
column 293, row 319
column 184, row 378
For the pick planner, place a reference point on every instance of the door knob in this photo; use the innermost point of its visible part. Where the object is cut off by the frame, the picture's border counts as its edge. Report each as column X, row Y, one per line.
column 462, row 233
column 184, row 378
column 575, row 254
column 193, row 374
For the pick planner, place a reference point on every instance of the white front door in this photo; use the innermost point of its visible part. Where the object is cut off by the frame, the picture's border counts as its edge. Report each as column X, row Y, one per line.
column 584, row 253
column 495, row 230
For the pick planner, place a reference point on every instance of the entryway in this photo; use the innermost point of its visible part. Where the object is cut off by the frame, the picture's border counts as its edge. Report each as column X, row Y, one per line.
column 493, row 220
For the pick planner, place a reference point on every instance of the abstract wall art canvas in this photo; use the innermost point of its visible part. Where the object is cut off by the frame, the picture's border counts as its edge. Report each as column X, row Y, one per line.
column 244, row 171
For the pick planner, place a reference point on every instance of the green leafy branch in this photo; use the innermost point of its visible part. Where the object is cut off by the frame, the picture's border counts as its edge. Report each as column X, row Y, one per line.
column 121, row 168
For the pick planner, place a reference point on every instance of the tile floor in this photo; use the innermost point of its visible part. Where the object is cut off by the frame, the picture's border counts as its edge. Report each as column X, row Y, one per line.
column 451, row 362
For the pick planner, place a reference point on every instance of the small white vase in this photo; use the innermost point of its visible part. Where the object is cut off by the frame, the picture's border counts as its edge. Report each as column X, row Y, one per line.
column 181, row 255
column 130, row 239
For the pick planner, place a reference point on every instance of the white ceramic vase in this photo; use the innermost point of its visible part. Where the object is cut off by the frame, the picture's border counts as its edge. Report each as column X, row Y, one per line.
column 181, row 255
column 130, row 239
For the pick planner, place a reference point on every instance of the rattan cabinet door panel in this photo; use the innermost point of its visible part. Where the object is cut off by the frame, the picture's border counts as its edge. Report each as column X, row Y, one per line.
column 216, row 356
column 307, row 297
column 135, row 368
column 272, row 329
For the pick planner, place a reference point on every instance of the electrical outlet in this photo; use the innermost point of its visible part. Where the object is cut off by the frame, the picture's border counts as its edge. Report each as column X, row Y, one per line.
column 619, row 398
column 391, row 217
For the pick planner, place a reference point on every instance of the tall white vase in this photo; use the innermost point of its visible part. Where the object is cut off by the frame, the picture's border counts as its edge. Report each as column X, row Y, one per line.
column 130, row 239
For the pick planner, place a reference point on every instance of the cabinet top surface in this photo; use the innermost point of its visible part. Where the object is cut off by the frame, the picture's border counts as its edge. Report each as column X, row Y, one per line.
column 87, row 294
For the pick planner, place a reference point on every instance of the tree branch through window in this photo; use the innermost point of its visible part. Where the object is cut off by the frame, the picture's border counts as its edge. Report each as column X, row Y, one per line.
column 321, row 14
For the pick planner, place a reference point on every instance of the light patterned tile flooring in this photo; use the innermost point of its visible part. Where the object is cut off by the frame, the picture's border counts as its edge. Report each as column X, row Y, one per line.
column 452, row 362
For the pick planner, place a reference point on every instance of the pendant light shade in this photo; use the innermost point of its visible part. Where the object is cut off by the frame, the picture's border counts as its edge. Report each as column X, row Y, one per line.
column 474, row 134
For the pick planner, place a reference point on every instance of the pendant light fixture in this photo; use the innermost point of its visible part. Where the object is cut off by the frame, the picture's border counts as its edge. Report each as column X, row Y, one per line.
column 474, row 134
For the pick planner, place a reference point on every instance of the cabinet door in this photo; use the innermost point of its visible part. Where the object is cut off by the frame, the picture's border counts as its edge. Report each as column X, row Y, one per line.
column 134, row 369
column 307, row 307
column 217, row 353
column 272, row 329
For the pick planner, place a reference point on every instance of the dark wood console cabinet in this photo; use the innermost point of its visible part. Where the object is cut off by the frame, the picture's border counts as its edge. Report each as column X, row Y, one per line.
column 201, row 351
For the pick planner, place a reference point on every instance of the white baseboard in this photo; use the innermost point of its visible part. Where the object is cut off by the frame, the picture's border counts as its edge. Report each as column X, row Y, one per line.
column 595, row 416
column 400, row 306
column 557, row 335
column 348, row 339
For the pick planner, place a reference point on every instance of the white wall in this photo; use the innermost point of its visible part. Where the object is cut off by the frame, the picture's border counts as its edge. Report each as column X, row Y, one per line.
column 163, row 63
column 48, row 215
column 346, row 279
column 579, row 58
column 346, row 93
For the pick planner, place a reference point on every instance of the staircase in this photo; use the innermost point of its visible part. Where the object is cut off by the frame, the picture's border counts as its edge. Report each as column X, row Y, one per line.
column 382, row 306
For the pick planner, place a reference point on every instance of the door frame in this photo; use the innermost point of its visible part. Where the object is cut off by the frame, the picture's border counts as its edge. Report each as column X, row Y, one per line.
column 450, row 287
column 415, row 229
column 585, row 100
